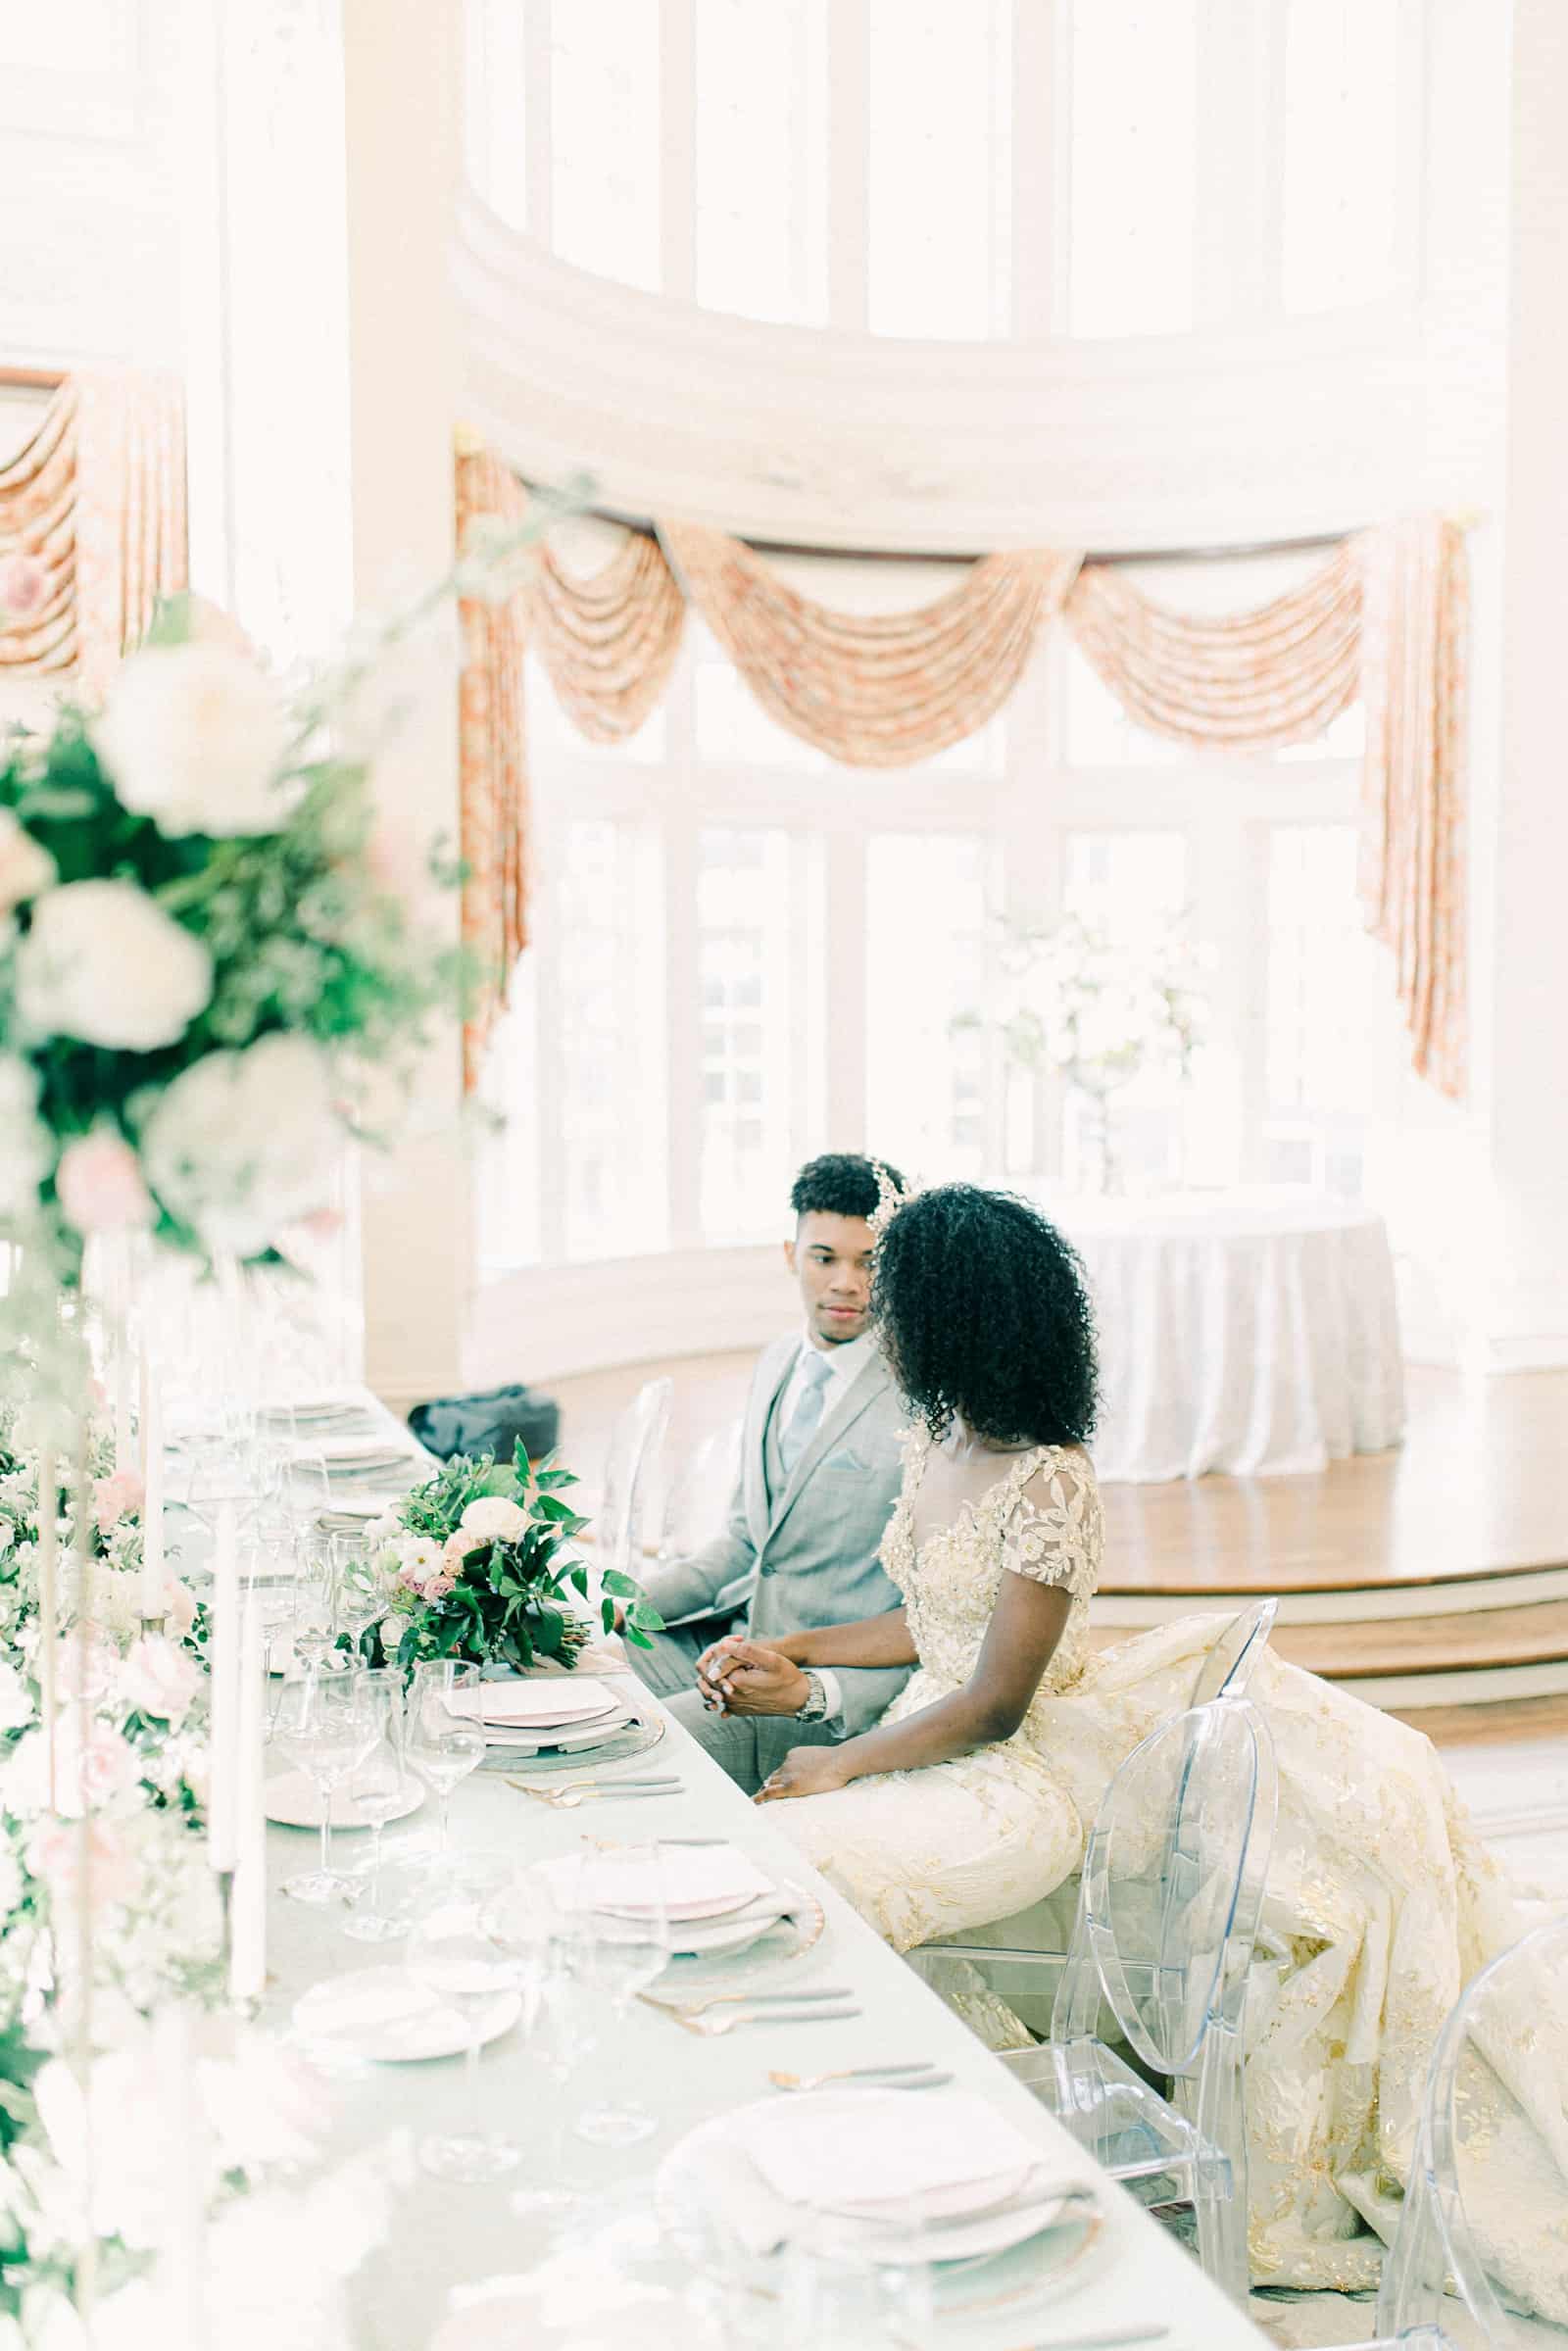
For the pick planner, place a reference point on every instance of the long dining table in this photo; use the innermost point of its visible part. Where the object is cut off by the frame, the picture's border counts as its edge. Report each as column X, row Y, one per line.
column 451, row 2244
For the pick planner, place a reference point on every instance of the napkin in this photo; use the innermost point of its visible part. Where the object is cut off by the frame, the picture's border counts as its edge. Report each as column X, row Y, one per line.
column 697, row 1880
column 894, row 2156
column 356, row 2007
column 538, row 1705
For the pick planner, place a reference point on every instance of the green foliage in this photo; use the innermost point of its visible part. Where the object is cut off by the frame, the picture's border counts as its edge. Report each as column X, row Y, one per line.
column 511, row 1603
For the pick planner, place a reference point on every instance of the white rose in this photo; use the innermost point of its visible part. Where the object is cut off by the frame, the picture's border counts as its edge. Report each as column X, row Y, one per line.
column 17, row 1708
column 24, row 1152
column 243, row 1142
column 193, row 736
column 105, row 964
column 495, row 1517
column 25, row 867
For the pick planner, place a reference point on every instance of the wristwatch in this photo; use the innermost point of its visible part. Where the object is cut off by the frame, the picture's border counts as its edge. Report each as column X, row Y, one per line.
column 814, row 1709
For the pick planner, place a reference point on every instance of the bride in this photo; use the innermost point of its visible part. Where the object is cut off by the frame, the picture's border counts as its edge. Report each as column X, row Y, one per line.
column 972, row 1796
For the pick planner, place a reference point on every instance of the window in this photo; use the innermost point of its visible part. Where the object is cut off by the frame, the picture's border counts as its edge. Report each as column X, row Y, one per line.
column 962, row 169
column 747, row 955
column 607, row 960
column 1331, row 1030
column 1134, row 176
column 605, row 139
column 929, row 904
column 743, row 956
column 939, row 198
column 1342, row 151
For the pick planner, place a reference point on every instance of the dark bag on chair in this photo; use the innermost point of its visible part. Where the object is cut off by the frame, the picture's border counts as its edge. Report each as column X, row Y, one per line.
column 491, row 1422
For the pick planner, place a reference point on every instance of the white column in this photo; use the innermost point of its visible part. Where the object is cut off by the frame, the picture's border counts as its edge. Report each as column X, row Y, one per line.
column 1519, row 1008
column 402, row 79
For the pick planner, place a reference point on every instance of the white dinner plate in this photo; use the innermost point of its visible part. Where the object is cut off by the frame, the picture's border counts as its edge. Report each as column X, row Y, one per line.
column 574, row 1739
column 693, row 2177
column 294, row 1801
column 387, row 2015
column 540, row 1705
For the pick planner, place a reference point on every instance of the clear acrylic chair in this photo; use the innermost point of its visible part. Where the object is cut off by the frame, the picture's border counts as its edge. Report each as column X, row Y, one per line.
column 1021, row 1958
column 1486, row 2207
column 1167, row 1918
column 632, row 1467
column 701, row 1490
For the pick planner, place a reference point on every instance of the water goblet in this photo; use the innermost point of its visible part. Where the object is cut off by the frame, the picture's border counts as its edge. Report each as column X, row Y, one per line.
column 314, row 1633
column 454, row 1951
column 326, row 1724
column 626, row 1919
column 444, row 1739
column 541, row 1925
column 381, row 1787
column 361, row 1589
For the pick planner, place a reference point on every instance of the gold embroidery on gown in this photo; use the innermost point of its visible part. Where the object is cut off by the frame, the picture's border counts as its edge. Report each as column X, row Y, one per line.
column 1378, row 1888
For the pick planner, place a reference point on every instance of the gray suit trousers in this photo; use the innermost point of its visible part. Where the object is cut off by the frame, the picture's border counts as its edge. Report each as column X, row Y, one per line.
column 747, row 1745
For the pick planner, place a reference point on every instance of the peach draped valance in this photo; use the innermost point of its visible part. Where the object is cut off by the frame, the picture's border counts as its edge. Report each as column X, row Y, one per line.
column 1382, row 619
column 881, row 690
column 97, row 496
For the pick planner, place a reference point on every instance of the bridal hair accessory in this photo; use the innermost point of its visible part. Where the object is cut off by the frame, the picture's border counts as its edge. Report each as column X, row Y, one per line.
column 890, row 1199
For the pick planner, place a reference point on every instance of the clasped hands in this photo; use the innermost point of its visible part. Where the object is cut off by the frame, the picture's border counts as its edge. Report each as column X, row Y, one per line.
column 735, row 1676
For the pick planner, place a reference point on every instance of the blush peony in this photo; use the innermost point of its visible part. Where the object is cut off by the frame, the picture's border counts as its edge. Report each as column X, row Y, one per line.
column 99, row 1186
column 160, row 1679
column 193, row 736
column 105, row 964
column 116, row 1497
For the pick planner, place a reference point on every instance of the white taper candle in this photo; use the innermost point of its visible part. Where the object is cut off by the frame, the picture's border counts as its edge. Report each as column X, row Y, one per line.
column 153, row 1601
column 222, row 1658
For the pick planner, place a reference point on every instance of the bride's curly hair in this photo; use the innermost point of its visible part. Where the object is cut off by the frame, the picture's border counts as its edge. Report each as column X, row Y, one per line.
column 983, row 1312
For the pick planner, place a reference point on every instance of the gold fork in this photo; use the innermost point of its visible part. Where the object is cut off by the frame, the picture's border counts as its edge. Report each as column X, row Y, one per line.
column 710, row 2028
column 584, row 1791
column 863, row 2072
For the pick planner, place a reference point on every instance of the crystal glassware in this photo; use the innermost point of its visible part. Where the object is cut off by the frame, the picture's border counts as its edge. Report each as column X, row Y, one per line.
column 314, row 1633
column 621, row 1893
column 381, row 1787
column 360, row 1591
column 444, row 1738
column 454, row 1951
column 540, row 1923
column 325, row 1723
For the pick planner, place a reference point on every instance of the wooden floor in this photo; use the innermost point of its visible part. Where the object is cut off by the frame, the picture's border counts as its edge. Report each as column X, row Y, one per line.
column 1424, row 1535
column 1480, row 1486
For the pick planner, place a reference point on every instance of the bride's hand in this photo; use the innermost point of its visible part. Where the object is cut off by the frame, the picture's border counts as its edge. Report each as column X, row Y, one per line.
column 743, row 1677
column 806, row 1771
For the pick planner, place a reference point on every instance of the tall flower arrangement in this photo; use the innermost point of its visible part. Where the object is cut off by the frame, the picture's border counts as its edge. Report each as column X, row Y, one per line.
column 1099, row 1012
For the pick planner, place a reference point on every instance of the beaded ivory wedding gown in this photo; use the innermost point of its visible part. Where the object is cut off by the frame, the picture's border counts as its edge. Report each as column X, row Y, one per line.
column 1378, row 1885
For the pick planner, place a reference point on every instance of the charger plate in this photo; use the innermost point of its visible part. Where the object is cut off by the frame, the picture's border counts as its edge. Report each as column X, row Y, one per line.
column 1050, row 2265
column 577, row 1763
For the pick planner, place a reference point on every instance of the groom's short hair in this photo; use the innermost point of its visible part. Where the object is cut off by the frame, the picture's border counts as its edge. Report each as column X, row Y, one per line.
column 840, row 1184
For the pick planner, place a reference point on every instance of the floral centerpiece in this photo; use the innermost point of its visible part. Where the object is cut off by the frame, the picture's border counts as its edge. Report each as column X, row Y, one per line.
column 1101, row 1013
column 478, row 1565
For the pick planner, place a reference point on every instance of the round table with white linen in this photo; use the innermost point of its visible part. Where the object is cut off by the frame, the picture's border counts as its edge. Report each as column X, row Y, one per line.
column 1249, row 1333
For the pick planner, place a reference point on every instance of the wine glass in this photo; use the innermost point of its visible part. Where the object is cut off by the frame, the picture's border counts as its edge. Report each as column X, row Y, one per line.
column 379, row 1791
column 540, row 1923
column 315, row 1623
column 444, row 1741
column 326, row 1724
column 360, row 1594
column 626, row 1918
column 454, row 1951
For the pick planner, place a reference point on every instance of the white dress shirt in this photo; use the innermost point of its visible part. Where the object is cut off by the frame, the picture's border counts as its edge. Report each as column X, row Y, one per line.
column 845, row 1365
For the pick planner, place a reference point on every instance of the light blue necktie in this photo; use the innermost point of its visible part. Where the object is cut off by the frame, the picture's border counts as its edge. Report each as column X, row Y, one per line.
column 806, row 1416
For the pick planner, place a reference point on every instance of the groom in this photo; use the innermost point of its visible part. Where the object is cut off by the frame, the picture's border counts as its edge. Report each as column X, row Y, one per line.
column 819, row 1475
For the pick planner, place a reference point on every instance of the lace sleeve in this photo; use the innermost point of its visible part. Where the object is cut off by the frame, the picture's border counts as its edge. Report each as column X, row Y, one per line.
column 1052, row 1533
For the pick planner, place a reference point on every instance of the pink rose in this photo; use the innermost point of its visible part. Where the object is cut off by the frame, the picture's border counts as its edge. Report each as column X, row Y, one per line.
column 456, row 1549
column 86, row 1778
column 65, row 1852
column 94, row 1661
column 160, row 1679
column 437, row 1586
column 119, row 1495
column 179, row 1607
column 23, row 587
column 100, row 1186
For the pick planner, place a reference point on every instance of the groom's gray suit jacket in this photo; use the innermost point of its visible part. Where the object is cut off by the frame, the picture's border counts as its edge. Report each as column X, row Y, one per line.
column 806, row 1555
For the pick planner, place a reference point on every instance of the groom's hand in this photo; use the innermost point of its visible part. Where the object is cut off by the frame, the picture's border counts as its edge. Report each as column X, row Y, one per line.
column 741, row 1676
